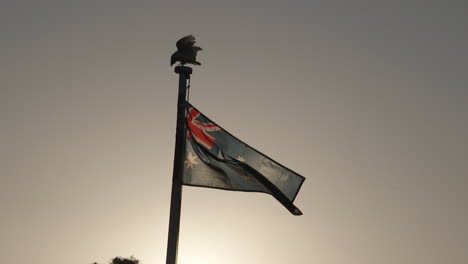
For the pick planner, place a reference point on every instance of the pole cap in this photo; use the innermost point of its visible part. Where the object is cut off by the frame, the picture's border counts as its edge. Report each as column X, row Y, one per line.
column 183, row 70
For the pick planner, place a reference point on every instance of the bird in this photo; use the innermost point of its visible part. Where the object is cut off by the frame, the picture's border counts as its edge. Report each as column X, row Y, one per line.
column 186, row 51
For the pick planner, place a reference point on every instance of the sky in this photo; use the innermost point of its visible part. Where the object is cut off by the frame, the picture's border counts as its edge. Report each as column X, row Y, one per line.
column 367, row 100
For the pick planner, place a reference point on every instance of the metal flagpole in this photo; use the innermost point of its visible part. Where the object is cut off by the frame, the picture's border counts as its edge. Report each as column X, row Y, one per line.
column 176, row 194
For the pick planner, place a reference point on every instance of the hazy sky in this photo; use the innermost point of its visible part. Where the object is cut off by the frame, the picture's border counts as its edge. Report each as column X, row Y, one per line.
column 367, row 100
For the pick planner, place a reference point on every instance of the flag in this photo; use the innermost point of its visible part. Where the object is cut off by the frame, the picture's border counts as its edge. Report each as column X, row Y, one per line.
column 216, row 159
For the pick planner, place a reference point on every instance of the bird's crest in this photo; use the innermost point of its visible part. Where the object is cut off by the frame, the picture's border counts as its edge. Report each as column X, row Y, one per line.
column 185, row 42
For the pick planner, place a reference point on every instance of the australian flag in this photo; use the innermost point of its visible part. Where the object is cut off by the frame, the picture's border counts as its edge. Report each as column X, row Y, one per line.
column 216, row 159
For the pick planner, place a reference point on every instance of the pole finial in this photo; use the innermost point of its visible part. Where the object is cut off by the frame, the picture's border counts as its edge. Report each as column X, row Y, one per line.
column 183, row 70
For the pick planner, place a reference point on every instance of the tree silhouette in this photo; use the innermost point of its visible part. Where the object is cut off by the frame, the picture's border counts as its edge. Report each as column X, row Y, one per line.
column 120, row 260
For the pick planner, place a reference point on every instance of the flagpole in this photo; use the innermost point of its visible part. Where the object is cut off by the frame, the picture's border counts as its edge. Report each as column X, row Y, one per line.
column 176, row 194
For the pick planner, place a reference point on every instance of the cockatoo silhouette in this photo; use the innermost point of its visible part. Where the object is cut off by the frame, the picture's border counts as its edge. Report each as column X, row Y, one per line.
column 186, row 51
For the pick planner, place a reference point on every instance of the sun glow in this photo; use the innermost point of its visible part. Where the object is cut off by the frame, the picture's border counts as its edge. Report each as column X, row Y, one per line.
column 212, row 250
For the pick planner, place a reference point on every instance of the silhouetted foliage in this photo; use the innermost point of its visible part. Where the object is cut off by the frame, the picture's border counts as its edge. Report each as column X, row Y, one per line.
column 120, row 260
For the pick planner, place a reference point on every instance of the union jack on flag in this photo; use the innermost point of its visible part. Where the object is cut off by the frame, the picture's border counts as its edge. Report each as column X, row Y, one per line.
column 200, row 130
column 217, row 159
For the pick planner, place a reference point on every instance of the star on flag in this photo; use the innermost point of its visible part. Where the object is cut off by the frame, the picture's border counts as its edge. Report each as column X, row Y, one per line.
column 241, row 158
column 191, row 160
